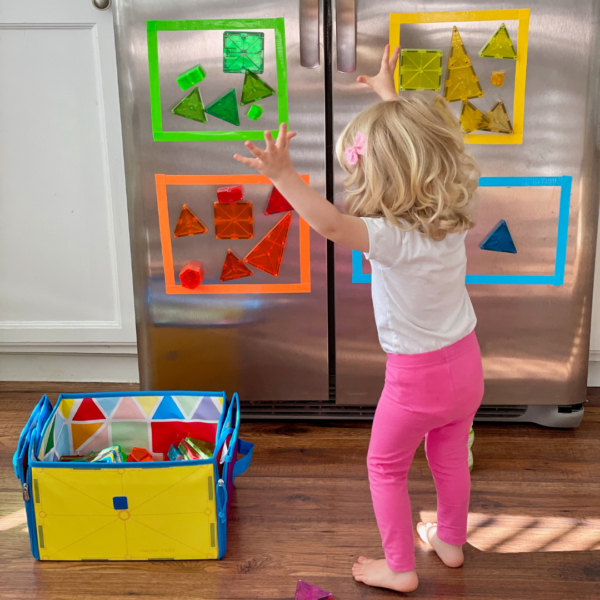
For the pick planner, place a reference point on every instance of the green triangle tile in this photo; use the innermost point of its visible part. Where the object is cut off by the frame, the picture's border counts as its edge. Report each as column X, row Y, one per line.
column 191, row 107
column 225, row 108
column 255, row 89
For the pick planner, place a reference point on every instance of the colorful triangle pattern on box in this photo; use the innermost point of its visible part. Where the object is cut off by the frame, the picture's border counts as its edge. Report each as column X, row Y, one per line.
column 188, row 224
column 187, row 404
column 461, row 81
column 499, row 45
column 66, row 405
column 225, row 108
column 129, row 410
column 88, row 411
column 268, row 253
column 148, row 403
column 107, row 404
column 82, row 432
column 63, row 443
column 277, row 203
column 95, row 443
column 207, row 411
column 234, row 268
column 255, row 89
column 191, row 107
column 168, row 409
column 50, row 442
column 499, row 240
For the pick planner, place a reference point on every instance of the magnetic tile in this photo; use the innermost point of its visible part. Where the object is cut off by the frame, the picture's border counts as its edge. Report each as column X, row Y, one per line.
column 420, row 69
column 191, row 107
column 499, row 45
column 268, row 253
column 192, row 77
column 461, row 81
column 255, row 89
column 243, row 52
column 225, row 108
column 234, row 221
column 191, row 275
column 234, row 268
column 499, row 240
column 188, row 224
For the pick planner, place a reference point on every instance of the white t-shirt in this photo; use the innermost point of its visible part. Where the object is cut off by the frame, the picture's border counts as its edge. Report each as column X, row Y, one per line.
column 418, row 286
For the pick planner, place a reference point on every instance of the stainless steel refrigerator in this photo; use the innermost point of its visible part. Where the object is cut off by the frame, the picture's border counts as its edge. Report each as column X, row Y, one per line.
column 298, row 338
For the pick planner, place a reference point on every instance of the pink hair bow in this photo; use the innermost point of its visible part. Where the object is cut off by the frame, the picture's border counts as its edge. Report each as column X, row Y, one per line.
column 352, row 152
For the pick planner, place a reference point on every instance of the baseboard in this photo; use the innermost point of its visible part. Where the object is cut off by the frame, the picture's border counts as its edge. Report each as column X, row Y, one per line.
column 105, row 364
column 594, row 371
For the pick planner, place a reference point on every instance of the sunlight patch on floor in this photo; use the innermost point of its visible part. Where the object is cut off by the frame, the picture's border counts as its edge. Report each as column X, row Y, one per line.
column 507, row 534
column 13, row 520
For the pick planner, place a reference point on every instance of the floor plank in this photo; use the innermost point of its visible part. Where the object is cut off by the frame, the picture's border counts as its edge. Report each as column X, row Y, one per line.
column 303, row 510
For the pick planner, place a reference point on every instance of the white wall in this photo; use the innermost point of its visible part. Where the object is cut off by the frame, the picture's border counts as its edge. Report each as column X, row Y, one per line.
column 66, row 299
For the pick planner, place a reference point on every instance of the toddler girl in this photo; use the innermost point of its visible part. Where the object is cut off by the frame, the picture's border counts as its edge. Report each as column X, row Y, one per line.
column 408, row 189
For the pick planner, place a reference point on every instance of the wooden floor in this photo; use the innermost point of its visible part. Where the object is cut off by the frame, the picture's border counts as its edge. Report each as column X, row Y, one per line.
column 303, row 511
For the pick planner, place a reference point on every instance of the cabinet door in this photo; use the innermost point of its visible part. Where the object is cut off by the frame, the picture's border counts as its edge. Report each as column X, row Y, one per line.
column 533, row 307
column 65, row 272
column 263, row 335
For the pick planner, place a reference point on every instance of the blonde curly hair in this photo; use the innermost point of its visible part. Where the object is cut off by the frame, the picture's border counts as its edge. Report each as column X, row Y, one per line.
column 415, row 172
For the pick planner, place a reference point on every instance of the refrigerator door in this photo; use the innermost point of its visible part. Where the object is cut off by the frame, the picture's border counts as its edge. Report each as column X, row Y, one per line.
column 533, row 307
column 264, row 334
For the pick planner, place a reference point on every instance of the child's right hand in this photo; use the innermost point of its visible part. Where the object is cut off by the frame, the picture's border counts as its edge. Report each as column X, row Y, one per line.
column 383, row 82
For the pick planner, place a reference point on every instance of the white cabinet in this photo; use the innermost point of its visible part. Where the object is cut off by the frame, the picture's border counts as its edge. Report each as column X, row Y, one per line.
column 65, row 266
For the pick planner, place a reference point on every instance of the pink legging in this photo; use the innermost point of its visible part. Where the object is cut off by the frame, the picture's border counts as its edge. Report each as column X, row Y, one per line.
column 433, row 395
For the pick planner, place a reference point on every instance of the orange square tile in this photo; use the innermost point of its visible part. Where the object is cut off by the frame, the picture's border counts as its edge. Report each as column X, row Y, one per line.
column 234, row 221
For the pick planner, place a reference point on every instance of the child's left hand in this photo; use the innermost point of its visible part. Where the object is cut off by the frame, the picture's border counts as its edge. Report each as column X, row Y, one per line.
column 274, row 161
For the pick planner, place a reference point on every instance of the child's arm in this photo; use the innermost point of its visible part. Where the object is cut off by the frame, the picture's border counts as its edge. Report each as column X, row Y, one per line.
column 275, row 163
column 383, row 83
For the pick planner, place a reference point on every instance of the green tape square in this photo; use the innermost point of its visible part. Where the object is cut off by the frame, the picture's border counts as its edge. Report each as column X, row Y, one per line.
column 153, row 27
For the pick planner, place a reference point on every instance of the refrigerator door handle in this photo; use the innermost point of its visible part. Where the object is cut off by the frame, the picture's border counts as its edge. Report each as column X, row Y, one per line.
column 345, row 24
column 310, row 54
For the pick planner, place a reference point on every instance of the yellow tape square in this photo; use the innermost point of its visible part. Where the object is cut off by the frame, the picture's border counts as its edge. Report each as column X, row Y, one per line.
column 521, row 15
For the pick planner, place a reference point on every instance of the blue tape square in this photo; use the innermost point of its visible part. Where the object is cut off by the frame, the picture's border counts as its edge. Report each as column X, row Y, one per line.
column 564, row 183
column 120, row 503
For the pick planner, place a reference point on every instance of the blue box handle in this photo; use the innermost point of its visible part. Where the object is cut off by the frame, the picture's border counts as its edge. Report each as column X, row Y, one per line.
column 242, row 464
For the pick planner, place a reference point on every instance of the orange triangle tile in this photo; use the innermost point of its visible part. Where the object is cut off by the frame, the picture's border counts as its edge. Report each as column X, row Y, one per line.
column 268, row 253
column 188, row 224
column 234, row 268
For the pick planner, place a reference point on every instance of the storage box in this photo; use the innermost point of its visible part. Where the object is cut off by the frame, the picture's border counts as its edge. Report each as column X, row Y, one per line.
column 129, row 511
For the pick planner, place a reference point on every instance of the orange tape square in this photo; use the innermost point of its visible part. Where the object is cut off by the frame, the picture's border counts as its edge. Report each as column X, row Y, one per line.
column 162, row 181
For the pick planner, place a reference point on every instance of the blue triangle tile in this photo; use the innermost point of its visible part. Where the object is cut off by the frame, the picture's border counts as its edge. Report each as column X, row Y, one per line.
column 168, row 409
column 206, row 411
column 499, row 240
column 107, row 404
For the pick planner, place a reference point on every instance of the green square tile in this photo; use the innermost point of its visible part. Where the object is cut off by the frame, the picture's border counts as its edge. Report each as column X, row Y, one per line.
column 243, row 52
column 421, row 69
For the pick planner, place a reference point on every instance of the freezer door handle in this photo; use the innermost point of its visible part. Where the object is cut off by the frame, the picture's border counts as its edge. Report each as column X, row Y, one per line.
column 345, row 24
column 310, row 55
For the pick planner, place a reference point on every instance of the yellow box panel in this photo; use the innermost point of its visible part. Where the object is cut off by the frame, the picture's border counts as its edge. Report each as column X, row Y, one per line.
column 126, row 514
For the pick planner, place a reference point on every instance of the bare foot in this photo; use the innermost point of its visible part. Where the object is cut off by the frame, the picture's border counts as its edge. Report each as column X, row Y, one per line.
column 378, row 574
column 452, row 556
